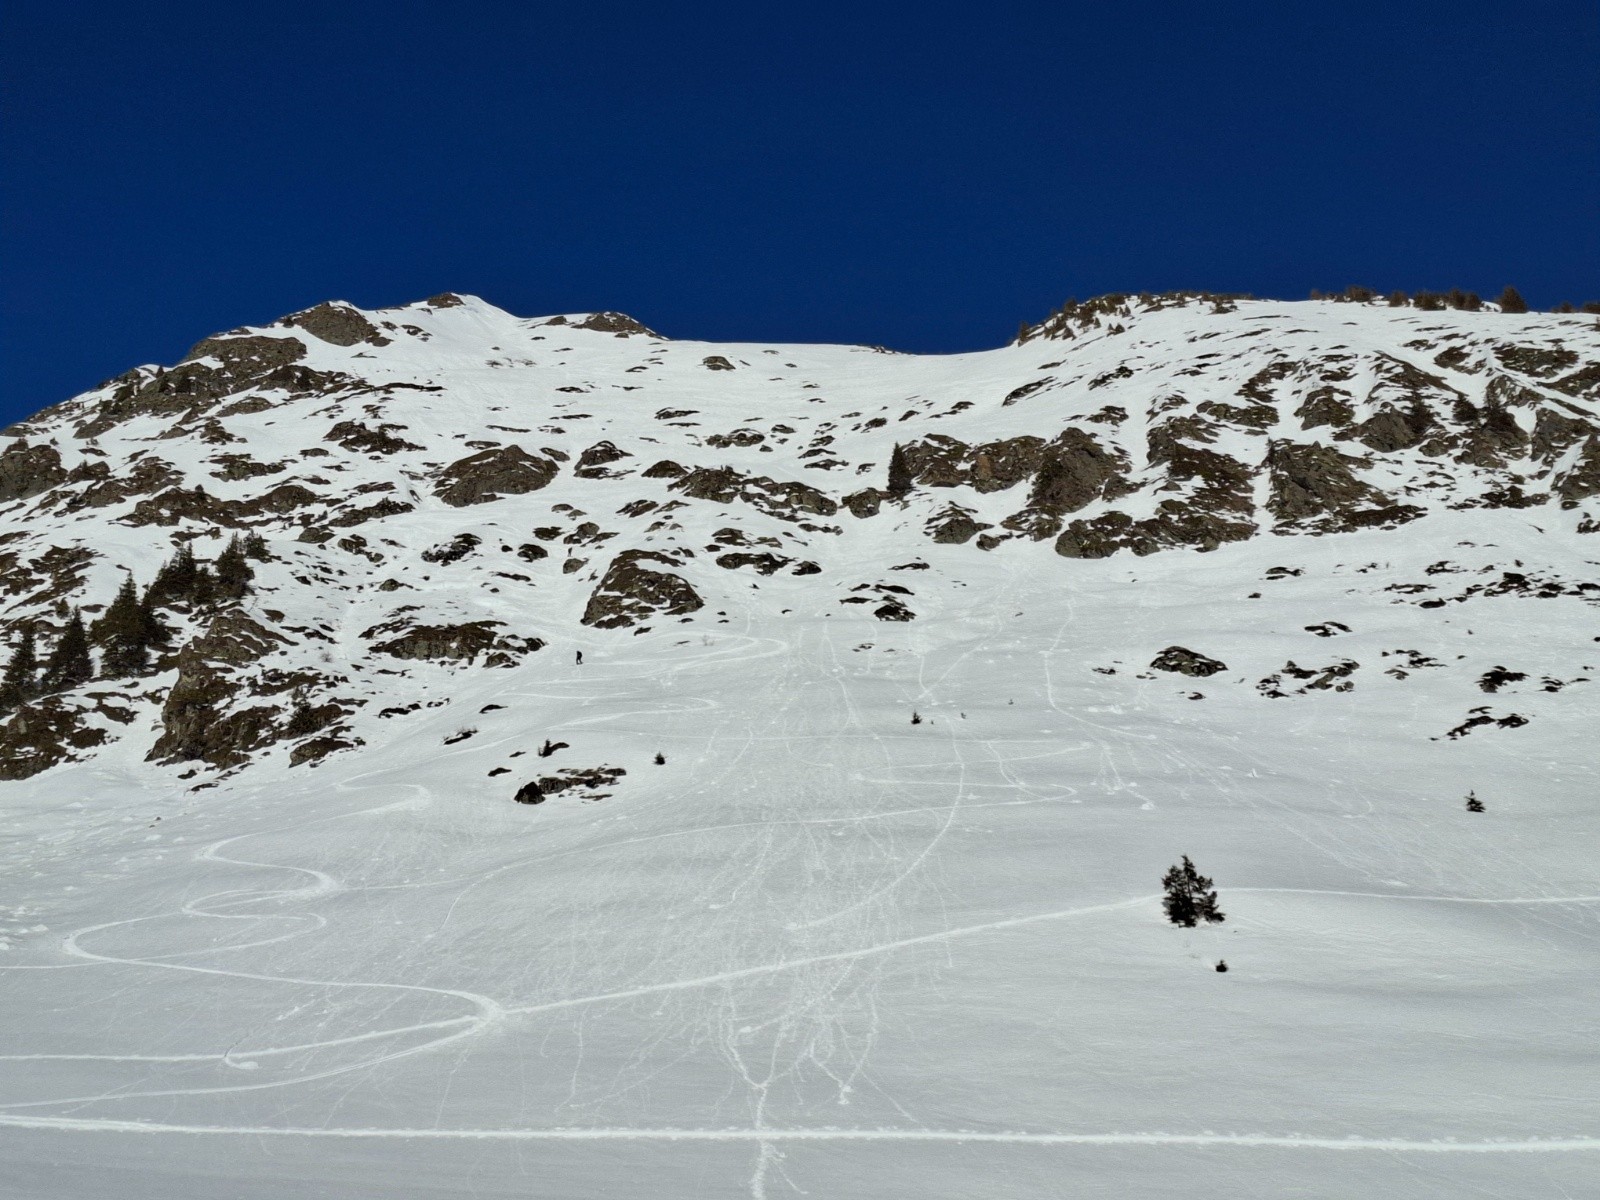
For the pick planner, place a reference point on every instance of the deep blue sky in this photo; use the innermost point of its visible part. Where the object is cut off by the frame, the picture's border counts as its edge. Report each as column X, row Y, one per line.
column 922, row 176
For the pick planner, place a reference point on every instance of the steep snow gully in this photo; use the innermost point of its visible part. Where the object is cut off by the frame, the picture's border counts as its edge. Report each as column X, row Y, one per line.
column 822, row 948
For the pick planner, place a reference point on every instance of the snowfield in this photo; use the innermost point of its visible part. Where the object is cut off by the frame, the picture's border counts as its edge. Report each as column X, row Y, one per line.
column 823, row 950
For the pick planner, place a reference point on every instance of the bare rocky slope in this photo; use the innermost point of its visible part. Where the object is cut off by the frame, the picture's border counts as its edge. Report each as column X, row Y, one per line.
column 443, row 487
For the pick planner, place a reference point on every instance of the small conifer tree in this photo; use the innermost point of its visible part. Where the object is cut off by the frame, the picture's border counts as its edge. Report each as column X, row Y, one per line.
column 1190, row 897
column 20, row 683
column 1511, row 301
column 255, row 546
column 899, row 472
column 303, row 719
column 69, row 665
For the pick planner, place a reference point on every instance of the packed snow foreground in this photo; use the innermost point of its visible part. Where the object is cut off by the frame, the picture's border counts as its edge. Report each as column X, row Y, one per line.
column 858, row 704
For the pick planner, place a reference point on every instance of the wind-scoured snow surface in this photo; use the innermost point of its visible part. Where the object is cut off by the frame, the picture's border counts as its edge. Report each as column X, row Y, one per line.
column 822, row 950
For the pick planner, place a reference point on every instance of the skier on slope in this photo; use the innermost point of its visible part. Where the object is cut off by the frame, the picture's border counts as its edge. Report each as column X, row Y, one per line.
column 580, row 658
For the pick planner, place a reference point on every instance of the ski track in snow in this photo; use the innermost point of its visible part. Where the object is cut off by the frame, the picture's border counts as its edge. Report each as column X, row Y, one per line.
column 1549, row 1145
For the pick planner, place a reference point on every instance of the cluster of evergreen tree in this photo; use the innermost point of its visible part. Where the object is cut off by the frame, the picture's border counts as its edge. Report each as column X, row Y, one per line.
column 183, row 579
column 1510, row 300
column 131, row 628
column 67, row 666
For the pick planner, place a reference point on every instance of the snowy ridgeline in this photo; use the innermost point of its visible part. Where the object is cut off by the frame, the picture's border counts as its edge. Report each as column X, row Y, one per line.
column 859, row 704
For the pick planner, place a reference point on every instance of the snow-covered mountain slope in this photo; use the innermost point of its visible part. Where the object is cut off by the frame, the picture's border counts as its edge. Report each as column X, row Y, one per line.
column 948, row 659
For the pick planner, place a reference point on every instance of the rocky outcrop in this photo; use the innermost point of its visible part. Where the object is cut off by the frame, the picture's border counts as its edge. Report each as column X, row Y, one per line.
column 592, row 463
column 865, row 503
column 26, row 471
column 1582, row 478
column 955, row 525
column 1314, row 487
column 620, row 324
column 202, row 718
column 464, row 642
column 631, row 592
column 353, row 435
column 724, row 485
column 1184, row 661
column 490, row 474
column 44, row 734
column 338, row 324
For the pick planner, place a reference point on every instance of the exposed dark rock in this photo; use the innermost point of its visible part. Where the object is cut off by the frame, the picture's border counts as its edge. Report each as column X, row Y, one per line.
column 715, row 362
column 1582, row 478
column 954, row 526
column 186, row 504
column 613, row 322
column 1026, row 390
column 1538, row 361
column 1072, row 471
column 43, row 734
column 1315, row 486
column 741, row 438
column 387, row 507
column 148, row 475
column 353, row 435
column 1325, row 406
column 462, row 643
column 766, row 564
column 1585, row 381
column 593, row 461
column 248, row 357
column 200, row 720
column 1554, row 432
column 490, row 474
column 1393, row 428
column 315, row 749
column 1002, row 464
column 1187, row 662
column 724, row 485
column 232, row 468
column 866, row 502
column 583, row 778
column 338, row 324
column 631, row 592
column 454, row 550
column 665, row 469
column 1496, row 678
column 26, row 471
column 938, row 461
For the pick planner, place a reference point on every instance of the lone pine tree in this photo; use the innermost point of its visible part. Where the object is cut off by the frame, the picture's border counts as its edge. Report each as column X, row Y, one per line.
column 899, row 472
column 1190, row 897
